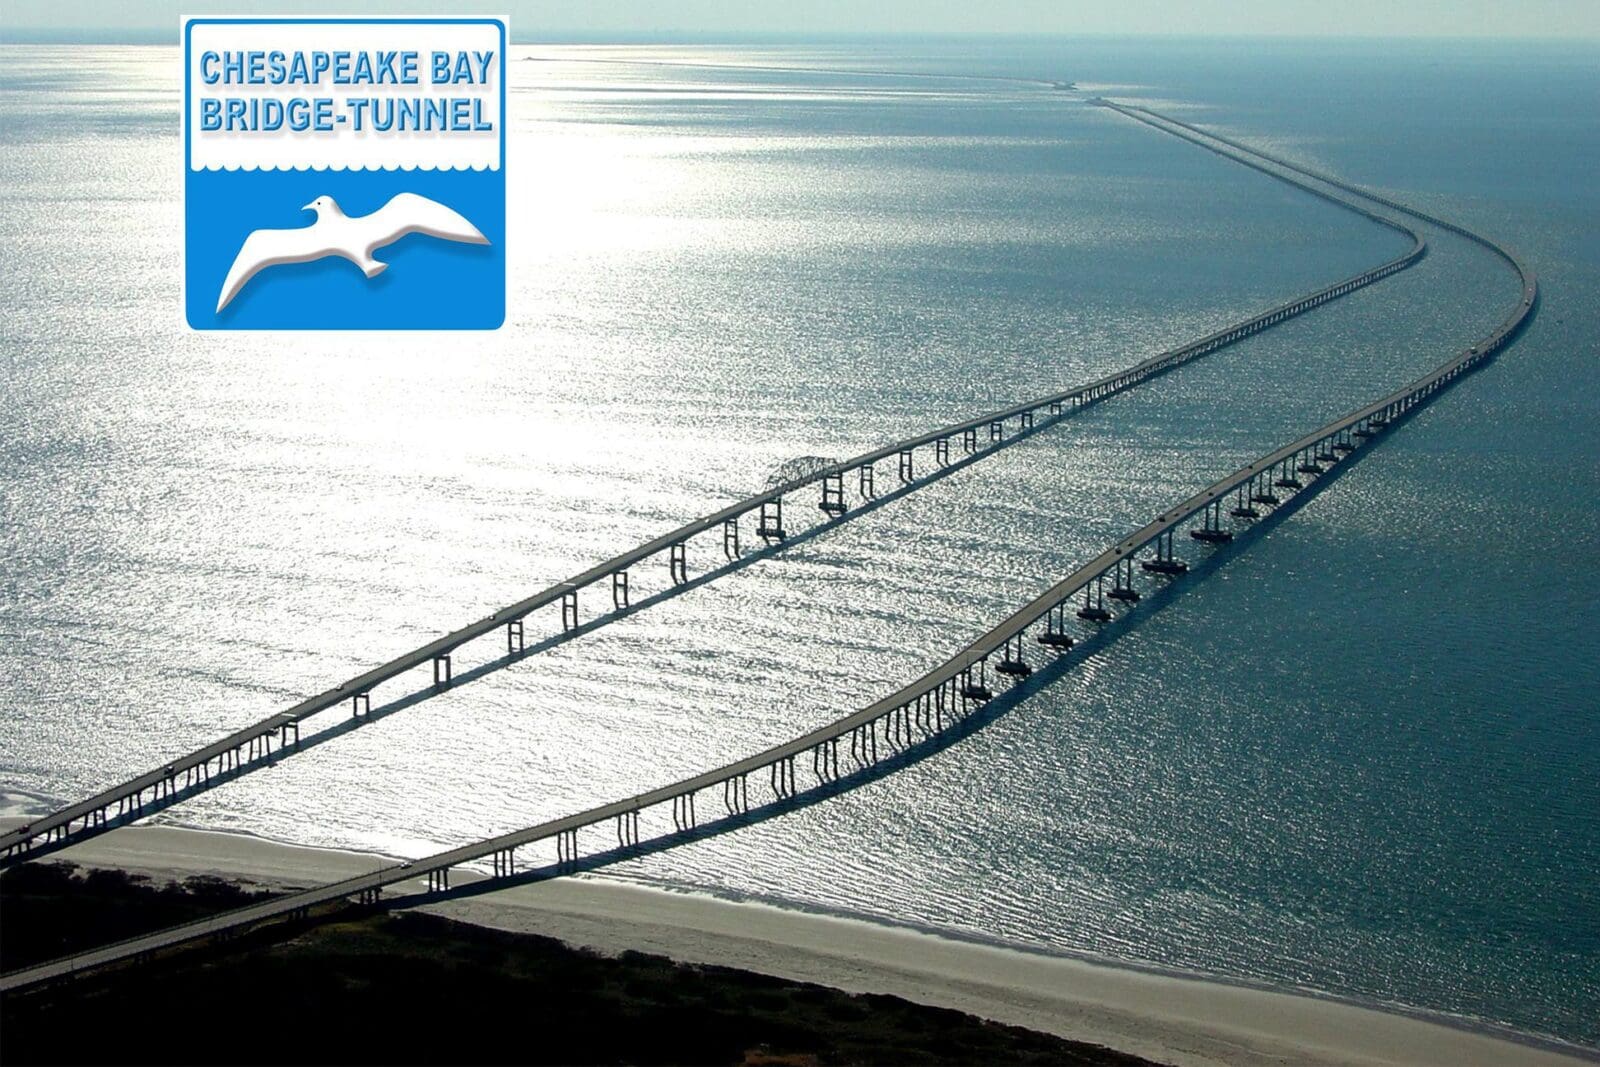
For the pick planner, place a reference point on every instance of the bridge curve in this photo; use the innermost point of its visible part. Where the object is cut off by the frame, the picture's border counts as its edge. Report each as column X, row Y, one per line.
column 982, row 435
column 941, row 699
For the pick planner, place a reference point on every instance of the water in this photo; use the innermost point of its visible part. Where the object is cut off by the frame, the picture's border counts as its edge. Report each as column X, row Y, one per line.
column 1360, row 758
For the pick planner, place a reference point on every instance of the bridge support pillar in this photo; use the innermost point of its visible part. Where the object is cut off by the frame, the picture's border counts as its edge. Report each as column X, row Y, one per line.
column 569, row 610
column 730, row 536
column 1012, row 663
column 976, row 690
column 683, row 812
column 864, row 486
column 1164, row 562
column 781, row 776
column 627, row 829
column 504, row 862
column 1210, row 530
column 619, row 589
column 969, row 441
column 997, row 430
column 864, row 745
column 906, row 471
column 360, row 707
column 567, row 848
column 741, row 793
column 941, row 451
column 441, row 671
column 1055, row 629
column 736, row 795
column 514, row 637
column 1094, row 601
column 1122, row 583
column 1259, row 490
column 770, row 528
column 678, row 563
column 833, row 494
column 825, row 761
column 1025, row 420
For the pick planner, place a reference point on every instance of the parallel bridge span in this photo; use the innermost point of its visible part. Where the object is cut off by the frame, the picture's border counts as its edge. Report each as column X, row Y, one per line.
column 937, row 702
column 253, row 745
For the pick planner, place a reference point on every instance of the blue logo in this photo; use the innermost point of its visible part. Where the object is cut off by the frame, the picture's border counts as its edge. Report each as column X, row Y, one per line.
column 344, row 174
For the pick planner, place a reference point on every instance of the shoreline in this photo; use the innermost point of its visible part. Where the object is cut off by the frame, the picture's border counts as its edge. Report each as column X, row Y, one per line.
column 1163, row 1015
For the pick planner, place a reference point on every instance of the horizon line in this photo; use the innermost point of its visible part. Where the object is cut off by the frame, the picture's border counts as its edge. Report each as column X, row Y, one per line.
column 150, row 35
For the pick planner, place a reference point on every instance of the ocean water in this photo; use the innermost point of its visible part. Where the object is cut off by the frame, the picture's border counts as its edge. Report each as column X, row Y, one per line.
column 1360, row 757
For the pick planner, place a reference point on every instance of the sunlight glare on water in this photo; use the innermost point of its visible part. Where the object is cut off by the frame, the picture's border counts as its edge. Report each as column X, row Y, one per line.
column 1359, row 757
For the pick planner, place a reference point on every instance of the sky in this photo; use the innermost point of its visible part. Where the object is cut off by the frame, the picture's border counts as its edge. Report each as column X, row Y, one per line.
column 601, row 20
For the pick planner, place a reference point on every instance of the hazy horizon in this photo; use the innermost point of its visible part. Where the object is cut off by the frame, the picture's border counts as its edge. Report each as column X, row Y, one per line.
column 715, row 21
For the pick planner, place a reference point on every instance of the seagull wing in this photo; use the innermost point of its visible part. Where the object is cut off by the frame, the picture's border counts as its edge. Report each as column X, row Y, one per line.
column 409, row 213
column 269, row 248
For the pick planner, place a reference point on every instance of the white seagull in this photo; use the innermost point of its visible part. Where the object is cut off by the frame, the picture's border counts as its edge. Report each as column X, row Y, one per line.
column 337, row 234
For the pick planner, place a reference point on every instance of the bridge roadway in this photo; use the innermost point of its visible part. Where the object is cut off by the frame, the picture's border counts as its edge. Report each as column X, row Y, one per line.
column 934, row 703
column 254, row 742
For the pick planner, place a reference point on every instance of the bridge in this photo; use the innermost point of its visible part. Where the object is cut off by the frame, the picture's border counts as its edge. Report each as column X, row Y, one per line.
column 252, row 746
column 939, row 705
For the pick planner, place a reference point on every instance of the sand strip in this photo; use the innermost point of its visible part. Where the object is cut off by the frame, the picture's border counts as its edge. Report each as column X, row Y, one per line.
column 1164, row 1017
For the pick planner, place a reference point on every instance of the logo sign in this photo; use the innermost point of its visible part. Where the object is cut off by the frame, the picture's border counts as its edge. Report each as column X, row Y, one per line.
column 344, row 174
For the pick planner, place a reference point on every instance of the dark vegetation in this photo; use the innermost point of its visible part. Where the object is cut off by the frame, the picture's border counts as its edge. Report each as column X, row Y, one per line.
column 371, row 987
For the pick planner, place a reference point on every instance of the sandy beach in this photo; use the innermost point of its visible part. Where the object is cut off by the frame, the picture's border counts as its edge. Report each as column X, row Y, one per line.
column 1164, row 1017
